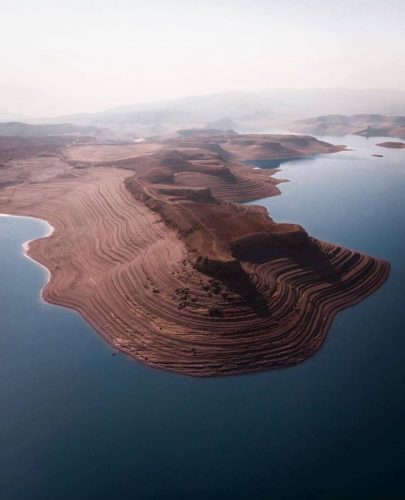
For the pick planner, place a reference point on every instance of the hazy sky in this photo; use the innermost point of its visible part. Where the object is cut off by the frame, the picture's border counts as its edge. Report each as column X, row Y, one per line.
column 64, row 56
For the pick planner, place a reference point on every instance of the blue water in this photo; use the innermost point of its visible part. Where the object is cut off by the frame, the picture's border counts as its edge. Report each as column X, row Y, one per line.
column 79, row 423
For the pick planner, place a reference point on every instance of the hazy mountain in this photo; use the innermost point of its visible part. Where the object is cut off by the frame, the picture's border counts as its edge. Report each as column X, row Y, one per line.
column 222, row 124
column 19, row 129
column 367, row 125
column 247, row 111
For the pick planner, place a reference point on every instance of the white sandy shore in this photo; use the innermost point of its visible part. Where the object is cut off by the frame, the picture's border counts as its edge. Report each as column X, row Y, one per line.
column 26, row 245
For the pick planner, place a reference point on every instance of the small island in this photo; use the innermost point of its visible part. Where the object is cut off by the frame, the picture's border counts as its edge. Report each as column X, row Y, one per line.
column 392, row 144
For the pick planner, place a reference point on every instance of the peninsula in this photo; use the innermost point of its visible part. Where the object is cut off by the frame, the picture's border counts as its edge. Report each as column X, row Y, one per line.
column 155, row 248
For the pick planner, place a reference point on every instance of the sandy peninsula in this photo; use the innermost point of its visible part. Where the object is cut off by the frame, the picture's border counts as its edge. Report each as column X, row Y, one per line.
column 154, row 248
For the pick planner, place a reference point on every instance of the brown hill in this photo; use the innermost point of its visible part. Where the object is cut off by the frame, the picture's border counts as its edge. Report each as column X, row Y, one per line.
column 157, row 255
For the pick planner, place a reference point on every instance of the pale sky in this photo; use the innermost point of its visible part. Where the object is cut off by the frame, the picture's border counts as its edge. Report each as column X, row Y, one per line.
column 66, row 56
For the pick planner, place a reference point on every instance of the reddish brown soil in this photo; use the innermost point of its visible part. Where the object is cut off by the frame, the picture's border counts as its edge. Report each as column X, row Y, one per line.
column 15, row 148
column 159, row 258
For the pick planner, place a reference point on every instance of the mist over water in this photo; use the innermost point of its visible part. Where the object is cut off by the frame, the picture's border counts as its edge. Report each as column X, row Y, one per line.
column 77, row 422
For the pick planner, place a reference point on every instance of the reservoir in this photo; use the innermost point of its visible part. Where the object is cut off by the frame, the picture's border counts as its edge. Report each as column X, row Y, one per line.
column 78, row 423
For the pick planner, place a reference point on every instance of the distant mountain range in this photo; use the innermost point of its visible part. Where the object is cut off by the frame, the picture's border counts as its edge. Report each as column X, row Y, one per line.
column 247, row 112
column 367, row 125
column 241, row 111
column 19, row 129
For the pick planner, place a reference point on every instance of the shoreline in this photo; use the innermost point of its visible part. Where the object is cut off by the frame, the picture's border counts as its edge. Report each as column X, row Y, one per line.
column 26, row 246
column 219, row 300
column 330, row 317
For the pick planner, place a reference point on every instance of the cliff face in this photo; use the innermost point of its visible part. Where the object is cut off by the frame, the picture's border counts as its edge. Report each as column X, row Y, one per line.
column 215, row 230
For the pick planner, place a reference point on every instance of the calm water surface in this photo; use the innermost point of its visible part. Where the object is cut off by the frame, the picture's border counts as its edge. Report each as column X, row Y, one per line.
column 79, row 423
